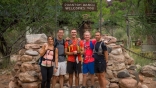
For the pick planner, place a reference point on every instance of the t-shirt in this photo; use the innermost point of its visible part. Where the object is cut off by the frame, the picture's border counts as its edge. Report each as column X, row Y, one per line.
column 74, row 47
column 88, row 52
column 61, row 53
column 99, row 58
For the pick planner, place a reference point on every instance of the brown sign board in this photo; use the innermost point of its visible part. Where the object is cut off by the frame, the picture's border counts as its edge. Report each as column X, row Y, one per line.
column 79, row 6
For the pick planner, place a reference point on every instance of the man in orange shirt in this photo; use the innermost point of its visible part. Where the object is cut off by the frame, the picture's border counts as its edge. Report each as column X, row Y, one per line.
column 74, row 48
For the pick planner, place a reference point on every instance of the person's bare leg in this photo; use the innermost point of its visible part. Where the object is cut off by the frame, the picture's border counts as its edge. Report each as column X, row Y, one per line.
column 61, row 79
column 92, row 79
column 99, row 79
column 76, row 80
column 53, row 81
column 102, row 80
column 84, row 80
column 70, row 80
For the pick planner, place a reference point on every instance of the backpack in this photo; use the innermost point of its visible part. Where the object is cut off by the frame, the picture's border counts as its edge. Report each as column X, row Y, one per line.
column 100, row 50
column 41, row 58
column 56, row 42
column 78, row 45
column 91, row 45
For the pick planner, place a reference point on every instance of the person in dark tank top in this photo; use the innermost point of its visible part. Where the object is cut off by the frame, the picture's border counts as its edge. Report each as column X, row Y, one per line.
column 101, row 60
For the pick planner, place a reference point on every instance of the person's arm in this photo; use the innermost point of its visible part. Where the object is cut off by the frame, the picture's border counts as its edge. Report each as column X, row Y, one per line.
column 56, row 58
column 106, row 55
column 105, row 52
column 42, row 51
column 81, row 48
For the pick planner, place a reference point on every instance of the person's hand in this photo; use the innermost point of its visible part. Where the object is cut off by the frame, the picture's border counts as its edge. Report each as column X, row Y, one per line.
column 67, row 39
column 55, row 70
column 75, row 52
column 45, row 46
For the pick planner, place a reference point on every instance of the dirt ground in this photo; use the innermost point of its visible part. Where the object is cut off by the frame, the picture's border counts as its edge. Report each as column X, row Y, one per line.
column 5, row 77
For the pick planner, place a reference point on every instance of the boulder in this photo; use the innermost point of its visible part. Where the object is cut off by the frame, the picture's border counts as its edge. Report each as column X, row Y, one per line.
column 31, row 52
column 26, row 58
column 26, row 67
column 22, row 52
column 116, row 58
column 27, row 77
column 109, row 74
column 149, row 71
column 128, row 83
column 30, row 85
column 113, row 85
column 32, row 46
column 144, row 86
column 114, row 80
column 118, row 66
column 13, row 85
column 116, row 51
column 123, row 74
column 14, row 58
column 36, row 38
column 129, row 61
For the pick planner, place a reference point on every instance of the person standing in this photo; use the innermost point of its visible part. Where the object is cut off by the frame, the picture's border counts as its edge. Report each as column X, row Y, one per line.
column 101, row 59
column 88, row 61
column 61, row 69
column 74, row 48
column 48, row 53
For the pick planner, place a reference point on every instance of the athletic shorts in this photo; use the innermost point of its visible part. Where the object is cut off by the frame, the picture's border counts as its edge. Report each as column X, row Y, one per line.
column 61, row 68
column 100, row 67
column 73, row 67
column 88, row 68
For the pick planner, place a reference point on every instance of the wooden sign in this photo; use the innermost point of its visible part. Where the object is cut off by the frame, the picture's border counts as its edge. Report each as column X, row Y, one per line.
column 79, row 6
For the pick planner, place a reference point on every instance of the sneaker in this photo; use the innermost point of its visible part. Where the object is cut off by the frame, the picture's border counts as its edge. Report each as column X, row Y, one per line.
column 82, row 87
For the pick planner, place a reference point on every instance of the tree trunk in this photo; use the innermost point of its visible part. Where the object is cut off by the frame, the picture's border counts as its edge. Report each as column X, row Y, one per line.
column 4, row 49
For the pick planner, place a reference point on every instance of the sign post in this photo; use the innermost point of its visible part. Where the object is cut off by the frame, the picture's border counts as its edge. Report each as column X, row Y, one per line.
column 79, row 6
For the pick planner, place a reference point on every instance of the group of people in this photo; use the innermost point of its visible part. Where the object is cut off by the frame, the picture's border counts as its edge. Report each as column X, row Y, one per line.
column 73, row 56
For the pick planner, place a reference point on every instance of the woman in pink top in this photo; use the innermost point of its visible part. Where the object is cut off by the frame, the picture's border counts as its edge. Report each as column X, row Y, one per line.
column 49, row 53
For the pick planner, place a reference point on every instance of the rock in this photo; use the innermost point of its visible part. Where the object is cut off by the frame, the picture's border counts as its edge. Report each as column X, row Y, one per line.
column 116, row 51
column 126, row 55
column 36, row 38
column 30, row 85
column 118, row 66
column 130, row 61
column 114, row 80
column 27, row 77
column 114, row 85
column 17, row 66
column 26, row 67
column 139, row 85
column 116, row 58
column 144, row 86
column 13, row 85
column 128, row 83
column 14, row 58
column 37, row 68
column 31, row 52
column 32, row 46
column 109, row 74
column 149, row 71
column 123, row 74
column 26, row 58
column 141, row 78
column 22, row 52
